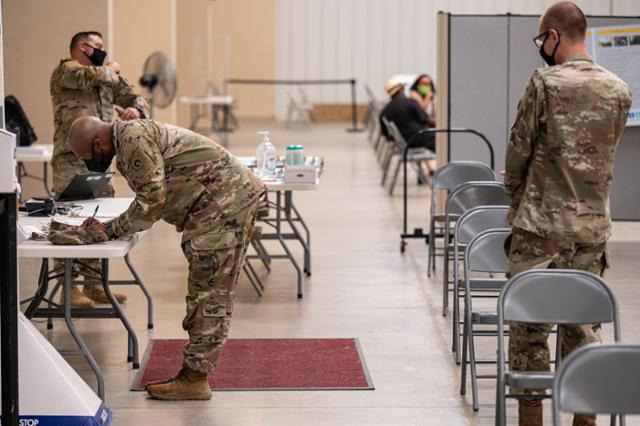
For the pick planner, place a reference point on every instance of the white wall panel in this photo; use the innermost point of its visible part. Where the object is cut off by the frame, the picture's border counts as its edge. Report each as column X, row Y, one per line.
column 370, row 40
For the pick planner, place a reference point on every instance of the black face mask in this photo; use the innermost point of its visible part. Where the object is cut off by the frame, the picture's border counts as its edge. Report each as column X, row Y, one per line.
column 99, row 166
column 97, row 57
column 550, row 59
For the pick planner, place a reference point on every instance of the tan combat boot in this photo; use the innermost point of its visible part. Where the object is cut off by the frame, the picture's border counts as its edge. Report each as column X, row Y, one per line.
column 187, row 385
column 78, row 300
column 97, row 294
column 529, row 415
column 584, row 420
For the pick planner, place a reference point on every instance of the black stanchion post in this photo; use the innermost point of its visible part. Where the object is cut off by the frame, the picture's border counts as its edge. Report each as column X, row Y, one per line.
column 354, row 112
column 9, row 309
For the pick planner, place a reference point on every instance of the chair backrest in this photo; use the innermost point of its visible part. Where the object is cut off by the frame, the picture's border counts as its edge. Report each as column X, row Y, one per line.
column 397, row 136
column 474, row 194
column 453, row 174
column 558, row 296
column 479, row 219
column 372, row 97
column 598, row 379
column 485, row 252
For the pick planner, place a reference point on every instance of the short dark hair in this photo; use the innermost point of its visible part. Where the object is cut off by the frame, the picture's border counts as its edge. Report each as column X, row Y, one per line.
column 82, row 36
column 566, row 18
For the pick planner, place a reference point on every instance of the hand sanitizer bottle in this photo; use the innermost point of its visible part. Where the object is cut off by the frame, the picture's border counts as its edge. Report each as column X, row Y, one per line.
column 261, row 153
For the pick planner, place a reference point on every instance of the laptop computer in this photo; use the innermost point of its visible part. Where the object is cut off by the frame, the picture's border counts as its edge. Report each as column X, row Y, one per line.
column 84, row 186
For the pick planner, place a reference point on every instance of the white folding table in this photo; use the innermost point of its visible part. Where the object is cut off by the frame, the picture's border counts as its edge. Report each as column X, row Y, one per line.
column 38, row 153
column 285, row 212
column 109, row 208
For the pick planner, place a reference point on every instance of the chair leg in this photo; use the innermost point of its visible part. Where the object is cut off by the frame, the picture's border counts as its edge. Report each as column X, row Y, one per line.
column 445, row 279
column 463, row 369
column 432, row 243
column 395, row 176
column 386, row 166
column 472, row 362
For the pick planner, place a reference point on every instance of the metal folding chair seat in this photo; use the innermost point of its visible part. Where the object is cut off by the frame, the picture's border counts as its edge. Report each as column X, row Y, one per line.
column 448, row 178
column 463, row 198
column 549, row 296
column 484, row 253
column 469, row 225
column 599, row 379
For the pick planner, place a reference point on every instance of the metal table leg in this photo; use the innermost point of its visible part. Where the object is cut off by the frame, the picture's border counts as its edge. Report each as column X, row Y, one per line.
column 290, row 220
column 144, row 290
column 283, row 243
column 133, row 339
column 74, row 332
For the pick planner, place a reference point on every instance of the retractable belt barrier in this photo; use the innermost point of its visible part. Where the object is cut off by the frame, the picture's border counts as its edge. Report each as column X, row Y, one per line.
column 419, row 232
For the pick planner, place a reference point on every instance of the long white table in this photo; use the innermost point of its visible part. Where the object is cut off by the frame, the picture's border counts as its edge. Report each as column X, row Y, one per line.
column 109, row 208
column 38, row 153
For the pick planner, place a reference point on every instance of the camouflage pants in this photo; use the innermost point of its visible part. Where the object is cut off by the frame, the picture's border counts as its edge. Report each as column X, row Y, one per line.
column 64, row 168
column 528, row 347
column 215, row 259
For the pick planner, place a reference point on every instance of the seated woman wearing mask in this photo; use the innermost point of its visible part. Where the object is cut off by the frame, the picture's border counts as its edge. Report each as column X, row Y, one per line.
column 422, row 91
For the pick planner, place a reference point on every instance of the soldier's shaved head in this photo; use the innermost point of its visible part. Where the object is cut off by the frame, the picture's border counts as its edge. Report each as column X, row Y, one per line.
column 567, row 19
column 86, row 131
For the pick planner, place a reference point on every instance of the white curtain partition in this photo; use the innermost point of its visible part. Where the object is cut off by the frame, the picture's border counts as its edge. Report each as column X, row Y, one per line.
column 371, row 40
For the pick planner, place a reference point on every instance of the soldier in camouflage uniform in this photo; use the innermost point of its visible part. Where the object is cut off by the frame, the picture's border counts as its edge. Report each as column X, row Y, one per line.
column 559, row 167
column 81, row 85
column 195, row 184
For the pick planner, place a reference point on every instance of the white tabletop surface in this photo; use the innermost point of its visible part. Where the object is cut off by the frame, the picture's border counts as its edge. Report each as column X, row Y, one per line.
column 107, row 210
column 279, row 184
column 37, row 152
column 209, row 100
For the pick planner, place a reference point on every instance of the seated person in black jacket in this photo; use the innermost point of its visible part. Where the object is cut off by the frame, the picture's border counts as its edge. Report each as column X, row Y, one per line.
column 408, row 115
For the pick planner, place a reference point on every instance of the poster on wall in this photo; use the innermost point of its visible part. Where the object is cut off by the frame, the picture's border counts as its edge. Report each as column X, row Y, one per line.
column 617, row 48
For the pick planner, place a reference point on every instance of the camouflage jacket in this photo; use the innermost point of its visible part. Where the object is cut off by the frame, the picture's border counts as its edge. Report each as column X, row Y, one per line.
column 559, row 162
column 78, row 90
column 179, row 176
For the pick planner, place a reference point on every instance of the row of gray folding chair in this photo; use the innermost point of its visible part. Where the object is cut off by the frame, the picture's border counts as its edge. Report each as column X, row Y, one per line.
column 550, row 296
column 484, row 254
column 472, row 223
column 463, row 198
column 599, row 379
column 415, row 157
column 448, row 178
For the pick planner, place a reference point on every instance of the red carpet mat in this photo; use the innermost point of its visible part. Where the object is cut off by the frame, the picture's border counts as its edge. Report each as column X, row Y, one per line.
column 267, row 364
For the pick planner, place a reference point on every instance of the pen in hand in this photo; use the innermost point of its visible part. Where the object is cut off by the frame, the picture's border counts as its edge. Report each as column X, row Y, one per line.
column 95, row 212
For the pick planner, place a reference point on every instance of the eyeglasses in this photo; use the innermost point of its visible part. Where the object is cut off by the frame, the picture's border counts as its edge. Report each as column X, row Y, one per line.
column 93, row 47
column 540, row 39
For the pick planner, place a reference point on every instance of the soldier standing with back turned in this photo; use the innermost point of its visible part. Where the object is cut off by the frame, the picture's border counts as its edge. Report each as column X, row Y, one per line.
column 559, row 167
column 82, row 85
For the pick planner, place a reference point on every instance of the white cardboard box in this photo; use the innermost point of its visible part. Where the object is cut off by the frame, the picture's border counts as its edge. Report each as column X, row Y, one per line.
column 300, row 174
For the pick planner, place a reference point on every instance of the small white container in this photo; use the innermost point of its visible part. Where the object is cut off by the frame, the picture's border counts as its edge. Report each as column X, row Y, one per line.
column 300, row 174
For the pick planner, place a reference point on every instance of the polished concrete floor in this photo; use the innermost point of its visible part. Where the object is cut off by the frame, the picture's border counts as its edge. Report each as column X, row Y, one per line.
column 361, row 287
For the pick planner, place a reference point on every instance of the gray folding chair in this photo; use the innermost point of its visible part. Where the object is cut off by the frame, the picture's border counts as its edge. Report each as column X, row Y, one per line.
column 415, row 156
column 485, row 253
column 470, row 224
column 463, row 198
column 599, row 379
column 449, row 177
column 549, row 296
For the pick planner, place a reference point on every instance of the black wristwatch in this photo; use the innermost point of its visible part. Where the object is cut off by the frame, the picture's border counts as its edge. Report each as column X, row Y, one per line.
column 109, row 231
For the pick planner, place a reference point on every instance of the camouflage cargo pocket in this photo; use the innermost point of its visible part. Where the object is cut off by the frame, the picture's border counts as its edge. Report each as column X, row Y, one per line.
column 215, row 241
column 214, row 309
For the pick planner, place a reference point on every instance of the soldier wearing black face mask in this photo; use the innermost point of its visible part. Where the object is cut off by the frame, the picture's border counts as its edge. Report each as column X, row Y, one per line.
column 84, row 84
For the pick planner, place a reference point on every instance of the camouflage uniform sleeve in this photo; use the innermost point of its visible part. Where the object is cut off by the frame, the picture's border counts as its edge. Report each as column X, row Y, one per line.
column 76, row 76
column 143, row 168
column 125, row 97
column 521, row 144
